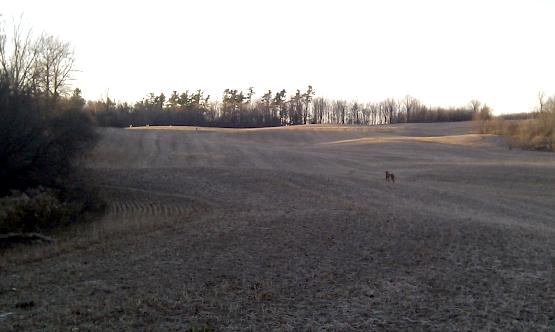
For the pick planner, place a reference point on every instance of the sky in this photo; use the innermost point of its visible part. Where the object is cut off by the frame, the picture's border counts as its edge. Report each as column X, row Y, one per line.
column 445, row 53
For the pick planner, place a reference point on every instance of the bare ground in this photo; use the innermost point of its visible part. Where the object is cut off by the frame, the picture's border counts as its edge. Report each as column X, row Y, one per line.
column 295, row 229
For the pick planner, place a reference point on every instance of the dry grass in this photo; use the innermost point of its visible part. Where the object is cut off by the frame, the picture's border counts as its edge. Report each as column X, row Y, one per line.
column 531, row 134
column 277, row 229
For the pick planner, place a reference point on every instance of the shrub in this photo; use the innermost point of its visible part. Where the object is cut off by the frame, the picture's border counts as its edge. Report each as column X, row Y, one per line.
column 35, row 210
column 534, row 134
column 40, row 140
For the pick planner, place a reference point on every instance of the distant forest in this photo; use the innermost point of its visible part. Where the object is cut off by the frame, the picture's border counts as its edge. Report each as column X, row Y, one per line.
column 239, row 109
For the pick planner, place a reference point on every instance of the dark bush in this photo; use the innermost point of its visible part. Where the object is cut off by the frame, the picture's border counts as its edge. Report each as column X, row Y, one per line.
column 39, row 140
column 35, row 210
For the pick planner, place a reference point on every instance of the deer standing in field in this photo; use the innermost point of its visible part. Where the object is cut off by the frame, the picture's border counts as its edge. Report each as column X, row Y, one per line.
column 389, row 176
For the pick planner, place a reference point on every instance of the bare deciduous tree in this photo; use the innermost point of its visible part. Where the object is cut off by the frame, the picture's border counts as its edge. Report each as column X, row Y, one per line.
column 56, row 59
column 43, row 65
column 18, row 57
column 475, row 106
column 409, row 104
column 541, row 100
column 307, row 98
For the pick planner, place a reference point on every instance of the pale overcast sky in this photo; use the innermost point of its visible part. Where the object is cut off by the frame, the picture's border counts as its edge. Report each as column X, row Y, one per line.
column 441, row 52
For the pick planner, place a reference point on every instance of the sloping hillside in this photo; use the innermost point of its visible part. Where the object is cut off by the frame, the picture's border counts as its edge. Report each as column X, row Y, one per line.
column 296, row 228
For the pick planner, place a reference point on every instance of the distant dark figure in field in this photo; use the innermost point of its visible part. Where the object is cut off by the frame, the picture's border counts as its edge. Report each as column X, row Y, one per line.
column 389, row 176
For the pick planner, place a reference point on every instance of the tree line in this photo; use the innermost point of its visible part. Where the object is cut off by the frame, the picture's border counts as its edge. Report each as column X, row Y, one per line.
column 241, row 109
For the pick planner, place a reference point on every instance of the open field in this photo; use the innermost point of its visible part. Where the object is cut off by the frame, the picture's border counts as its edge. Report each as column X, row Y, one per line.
column 295, row 229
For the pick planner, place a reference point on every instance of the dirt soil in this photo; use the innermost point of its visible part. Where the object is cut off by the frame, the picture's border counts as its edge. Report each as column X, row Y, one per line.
column 296, row 228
